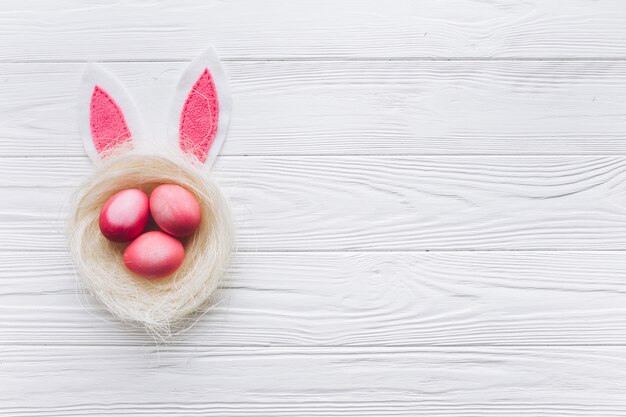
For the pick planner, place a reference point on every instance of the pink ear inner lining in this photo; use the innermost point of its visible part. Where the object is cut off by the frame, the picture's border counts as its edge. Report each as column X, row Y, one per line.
column 199, row 118
column 108, row 126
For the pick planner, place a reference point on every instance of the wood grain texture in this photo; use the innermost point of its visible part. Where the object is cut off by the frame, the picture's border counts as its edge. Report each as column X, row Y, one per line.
column 547, row 381
column 355, row 108
column 366, row 203
column 430, row 202
column 347, row 299
column 36, row 30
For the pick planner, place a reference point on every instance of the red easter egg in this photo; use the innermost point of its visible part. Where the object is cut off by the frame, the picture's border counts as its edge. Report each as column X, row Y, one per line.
column 124, row 216
column 175, row 210
column 154, row 255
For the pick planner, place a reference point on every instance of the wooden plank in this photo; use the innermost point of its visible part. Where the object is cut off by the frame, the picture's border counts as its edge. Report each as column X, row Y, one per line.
column 38, row 30
column 366, row 203
column 348, row 299
column 174, row 381
column 357, row 108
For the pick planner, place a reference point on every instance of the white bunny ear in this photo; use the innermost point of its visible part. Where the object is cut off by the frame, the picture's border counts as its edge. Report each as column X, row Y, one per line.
column 201, row 109
column 108, row 118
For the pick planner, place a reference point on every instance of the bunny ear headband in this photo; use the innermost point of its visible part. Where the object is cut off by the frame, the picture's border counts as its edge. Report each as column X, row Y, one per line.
column 199, row 117
column 156, row 277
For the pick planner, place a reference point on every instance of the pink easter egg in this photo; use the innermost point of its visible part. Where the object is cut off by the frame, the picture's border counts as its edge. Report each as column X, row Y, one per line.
column 175, row 210
column 124, row 216
column 154, row 255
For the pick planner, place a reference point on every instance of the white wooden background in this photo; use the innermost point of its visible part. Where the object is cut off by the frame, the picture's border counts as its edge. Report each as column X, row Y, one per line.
column 430, row 198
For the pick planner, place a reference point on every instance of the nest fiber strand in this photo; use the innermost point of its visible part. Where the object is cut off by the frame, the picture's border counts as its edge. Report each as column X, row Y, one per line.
column 166, row 305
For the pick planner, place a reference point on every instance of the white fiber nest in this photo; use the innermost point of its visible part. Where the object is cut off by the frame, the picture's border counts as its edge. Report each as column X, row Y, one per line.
column 169, row 304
